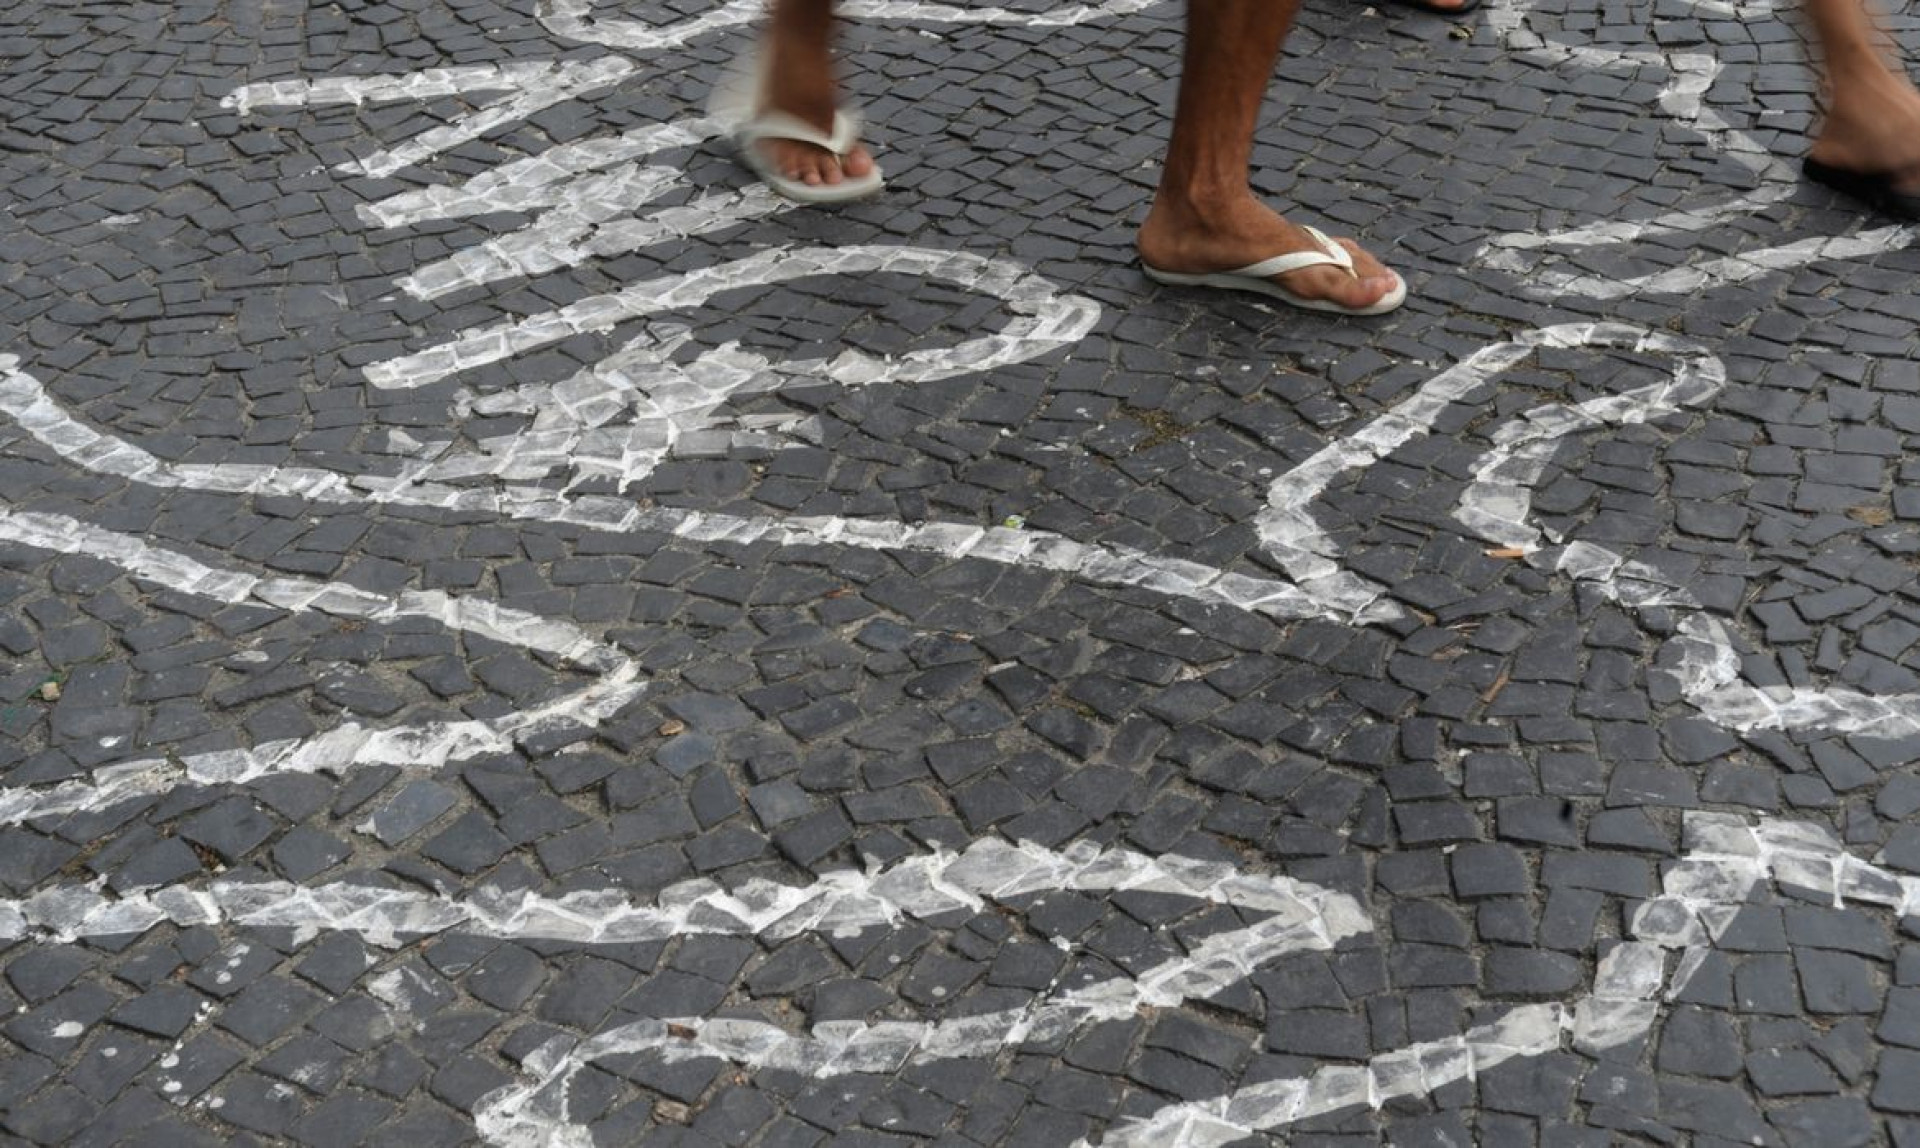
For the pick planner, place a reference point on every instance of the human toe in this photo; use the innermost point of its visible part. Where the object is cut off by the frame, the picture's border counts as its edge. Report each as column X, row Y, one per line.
column 857, row 164
column 1368, row 282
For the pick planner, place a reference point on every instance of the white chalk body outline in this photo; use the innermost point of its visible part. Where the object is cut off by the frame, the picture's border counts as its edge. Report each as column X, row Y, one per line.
column 576, row 193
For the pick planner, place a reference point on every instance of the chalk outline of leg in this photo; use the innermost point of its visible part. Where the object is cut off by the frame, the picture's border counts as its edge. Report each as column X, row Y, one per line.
column 1693, row 75
column 1724, row 858
column 419, row 747
column 1494, row 507
column 1297, row 917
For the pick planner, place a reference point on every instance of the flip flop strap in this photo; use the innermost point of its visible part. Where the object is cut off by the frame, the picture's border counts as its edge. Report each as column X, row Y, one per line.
column 1331, row 254
column 781, row 126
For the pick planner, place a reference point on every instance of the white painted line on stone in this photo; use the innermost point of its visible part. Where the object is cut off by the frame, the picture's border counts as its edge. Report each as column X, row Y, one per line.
column 426, row 746
column 24, row 399
column 426, row 84
column 1704, row 665
column 1416, row 1070
column 584, row 196
column 177, row 571
column 1305, row 919
column 839, row 903
column 674, row 410
column 1287, row 527
column 423, row 85
column 1499, row 500
column 1498, row 506
column 918, row 11
column 1732, row 268
column 537, row 181
column 1503, row 252
column 1707, row 668
column 1530, row 255
column 591, row 222
column 672, row 407
column 576, row 20
column 430, row 745
column 1045, row 318
column 530, row 88
column 1724, row 859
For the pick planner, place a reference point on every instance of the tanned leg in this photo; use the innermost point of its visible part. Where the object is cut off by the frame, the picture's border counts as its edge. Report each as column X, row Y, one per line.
column 1205, row 215
column 799, row 81
column 1873, row 110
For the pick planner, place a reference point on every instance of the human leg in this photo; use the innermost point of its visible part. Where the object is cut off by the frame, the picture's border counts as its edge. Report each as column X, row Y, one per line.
column 1872, row 124
column 1205, row 215
column 797, row 80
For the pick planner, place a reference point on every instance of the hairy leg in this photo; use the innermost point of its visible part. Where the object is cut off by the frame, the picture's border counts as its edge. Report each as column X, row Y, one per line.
column 1205, row 215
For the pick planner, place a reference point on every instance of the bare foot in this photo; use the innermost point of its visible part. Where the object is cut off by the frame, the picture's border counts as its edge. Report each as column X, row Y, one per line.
column 799, row 82
column 1187, row 241
column 1873, row 128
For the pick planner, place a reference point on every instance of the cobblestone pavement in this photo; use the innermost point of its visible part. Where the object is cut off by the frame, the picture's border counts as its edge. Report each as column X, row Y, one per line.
column 510, row 634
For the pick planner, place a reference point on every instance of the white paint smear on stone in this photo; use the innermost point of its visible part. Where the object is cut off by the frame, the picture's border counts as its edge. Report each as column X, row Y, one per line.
column 1530, row 255
column 1044, row 318
column 1498, row 506
column 430, row 745
column 1304, row 918
column 24, row 399
column 1724, row 859
column 529, row 88
column 1500, row 499
column 580, row 19
column 843, row 902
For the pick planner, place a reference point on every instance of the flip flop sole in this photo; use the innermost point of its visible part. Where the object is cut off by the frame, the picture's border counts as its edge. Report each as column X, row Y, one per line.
column 1875, row 189
column 1227, row 281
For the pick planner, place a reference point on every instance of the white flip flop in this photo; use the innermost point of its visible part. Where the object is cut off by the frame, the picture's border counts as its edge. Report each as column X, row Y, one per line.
column 735, row 106
column 841, row 142
column 1257, row 278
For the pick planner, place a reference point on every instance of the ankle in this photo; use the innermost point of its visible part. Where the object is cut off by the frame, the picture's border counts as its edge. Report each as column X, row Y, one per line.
column 1199, row 206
